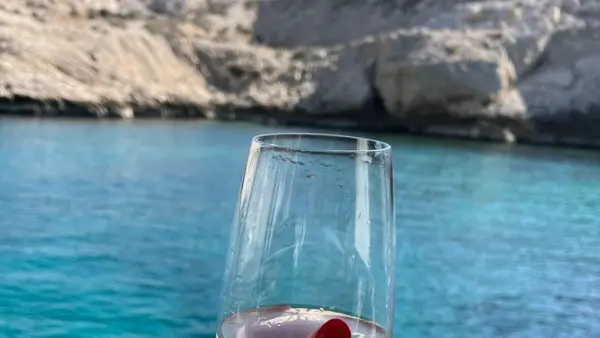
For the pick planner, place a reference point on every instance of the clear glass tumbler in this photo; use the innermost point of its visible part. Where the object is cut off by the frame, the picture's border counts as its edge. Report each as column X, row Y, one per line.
column 314, row 239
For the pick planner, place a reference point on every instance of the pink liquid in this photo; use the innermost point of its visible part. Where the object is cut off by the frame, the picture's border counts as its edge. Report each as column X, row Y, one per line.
column 291, row 323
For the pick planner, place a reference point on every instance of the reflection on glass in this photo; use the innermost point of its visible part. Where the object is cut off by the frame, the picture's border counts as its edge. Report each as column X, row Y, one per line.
column 314, row 239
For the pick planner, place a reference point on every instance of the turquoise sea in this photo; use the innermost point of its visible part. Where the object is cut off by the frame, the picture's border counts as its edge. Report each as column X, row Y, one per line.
column 119, row 229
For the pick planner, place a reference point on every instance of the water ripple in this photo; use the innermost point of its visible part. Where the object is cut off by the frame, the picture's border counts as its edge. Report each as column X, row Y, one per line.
column 120, row 230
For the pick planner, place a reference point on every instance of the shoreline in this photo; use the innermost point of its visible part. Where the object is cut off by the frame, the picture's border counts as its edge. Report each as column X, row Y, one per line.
column 474, row 130
column 510, row 71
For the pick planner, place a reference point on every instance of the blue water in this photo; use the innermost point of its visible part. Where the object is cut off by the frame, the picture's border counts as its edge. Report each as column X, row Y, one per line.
column 116, row 229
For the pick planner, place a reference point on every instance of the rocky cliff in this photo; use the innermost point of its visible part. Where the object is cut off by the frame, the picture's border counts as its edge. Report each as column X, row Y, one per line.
column 507, row 70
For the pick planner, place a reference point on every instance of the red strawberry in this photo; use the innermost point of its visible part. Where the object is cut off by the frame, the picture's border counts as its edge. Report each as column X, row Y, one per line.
column 333, row 328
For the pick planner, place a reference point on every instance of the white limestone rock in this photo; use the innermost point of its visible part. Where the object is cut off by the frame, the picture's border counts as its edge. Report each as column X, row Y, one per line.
column 523, row 28
column 92, row 65
column 514, row 67
column 426, row 68
column 569, row 79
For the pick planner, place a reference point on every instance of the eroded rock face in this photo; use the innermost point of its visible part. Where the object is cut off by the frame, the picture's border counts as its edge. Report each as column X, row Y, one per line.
column 439, row 69
column 95, row 66
column 506, row 70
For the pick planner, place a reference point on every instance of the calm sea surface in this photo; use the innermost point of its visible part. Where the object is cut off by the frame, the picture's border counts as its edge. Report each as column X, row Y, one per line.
column 115, row 229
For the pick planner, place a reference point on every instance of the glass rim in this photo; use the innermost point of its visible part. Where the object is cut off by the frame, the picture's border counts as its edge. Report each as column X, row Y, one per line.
column 268, row 141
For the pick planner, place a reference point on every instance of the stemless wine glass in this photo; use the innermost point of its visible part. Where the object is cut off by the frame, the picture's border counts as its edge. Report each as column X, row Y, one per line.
column 314, row 239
